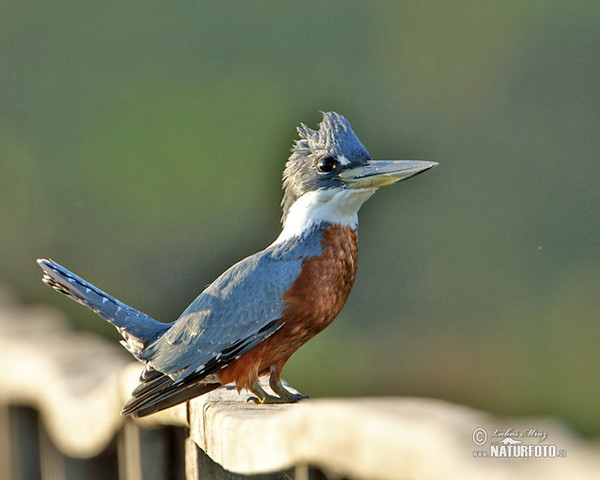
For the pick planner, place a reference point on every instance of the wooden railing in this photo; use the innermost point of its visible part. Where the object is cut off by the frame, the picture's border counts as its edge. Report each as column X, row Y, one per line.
column 61, row 392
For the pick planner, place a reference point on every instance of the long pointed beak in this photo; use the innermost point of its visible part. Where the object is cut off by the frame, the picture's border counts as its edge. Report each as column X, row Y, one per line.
column 381, row 173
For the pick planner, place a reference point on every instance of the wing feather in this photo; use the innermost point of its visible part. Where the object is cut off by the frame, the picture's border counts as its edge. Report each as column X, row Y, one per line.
column 235, row 313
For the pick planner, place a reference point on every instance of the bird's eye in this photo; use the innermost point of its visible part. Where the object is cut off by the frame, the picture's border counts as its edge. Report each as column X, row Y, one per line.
column 327, row 165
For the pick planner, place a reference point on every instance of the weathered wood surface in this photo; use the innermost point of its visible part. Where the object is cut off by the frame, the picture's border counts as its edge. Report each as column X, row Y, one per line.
column 386, row 438
column 78, row 382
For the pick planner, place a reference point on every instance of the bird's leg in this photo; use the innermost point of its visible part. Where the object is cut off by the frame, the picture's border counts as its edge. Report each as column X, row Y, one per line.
column 262, row 396
column 279, row 389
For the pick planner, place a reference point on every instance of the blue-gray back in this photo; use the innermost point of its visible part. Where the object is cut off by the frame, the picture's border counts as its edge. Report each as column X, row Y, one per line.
column 235, row 313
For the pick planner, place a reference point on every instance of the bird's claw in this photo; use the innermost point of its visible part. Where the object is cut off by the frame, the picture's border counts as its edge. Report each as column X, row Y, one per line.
column 273, row 400
column 284, row 396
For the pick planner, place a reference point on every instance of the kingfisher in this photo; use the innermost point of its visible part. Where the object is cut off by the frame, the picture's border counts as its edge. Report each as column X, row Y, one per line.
column 252, row 318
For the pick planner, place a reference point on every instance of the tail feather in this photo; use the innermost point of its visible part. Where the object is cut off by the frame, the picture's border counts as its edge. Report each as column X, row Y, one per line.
column 136, row 327
column 157, row 391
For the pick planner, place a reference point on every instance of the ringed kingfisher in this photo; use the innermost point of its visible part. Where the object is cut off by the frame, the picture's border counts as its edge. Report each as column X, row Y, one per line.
column 250, row 320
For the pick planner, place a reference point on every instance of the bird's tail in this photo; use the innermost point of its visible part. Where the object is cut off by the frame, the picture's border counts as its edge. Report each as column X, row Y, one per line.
column 136, row 327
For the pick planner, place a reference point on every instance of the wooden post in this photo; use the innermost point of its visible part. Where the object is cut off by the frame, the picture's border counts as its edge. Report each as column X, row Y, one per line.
column 51, row 460
column 199, row 466
column 150, row 453
column 24, row 443
column 6, row 458
column 130, row 455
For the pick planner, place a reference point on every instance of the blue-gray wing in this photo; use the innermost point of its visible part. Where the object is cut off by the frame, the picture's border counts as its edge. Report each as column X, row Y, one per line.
column 235, row 313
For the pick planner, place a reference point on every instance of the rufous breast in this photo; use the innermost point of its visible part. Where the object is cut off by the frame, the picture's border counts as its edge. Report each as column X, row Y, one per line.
column 310, row 304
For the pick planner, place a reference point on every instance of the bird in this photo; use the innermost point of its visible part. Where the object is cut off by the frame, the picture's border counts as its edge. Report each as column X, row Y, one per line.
column 253, row 317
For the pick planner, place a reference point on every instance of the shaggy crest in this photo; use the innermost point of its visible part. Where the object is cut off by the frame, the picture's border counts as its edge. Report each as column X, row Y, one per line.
column 332, row 130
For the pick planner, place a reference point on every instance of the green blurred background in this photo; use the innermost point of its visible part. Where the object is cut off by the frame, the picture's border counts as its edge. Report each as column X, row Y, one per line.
column 142, row 143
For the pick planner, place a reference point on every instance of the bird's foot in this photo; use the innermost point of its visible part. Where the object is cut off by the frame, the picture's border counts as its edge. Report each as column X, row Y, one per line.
column 278, row 387
column 290, row 397
column 262, row 397
column 269, row 400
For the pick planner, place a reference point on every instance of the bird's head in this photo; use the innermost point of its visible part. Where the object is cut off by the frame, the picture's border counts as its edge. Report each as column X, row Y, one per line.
column 330, row 174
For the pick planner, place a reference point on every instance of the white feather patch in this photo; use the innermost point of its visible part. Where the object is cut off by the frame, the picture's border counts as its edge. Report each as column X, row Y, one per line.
column 327, row 205
column 343, row 160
